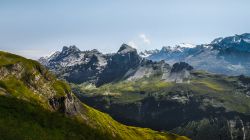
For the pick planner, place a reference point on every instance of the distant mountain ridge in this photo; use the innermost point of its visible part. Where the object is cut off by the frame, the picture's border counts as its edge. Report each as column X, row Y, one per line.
column 92, row 66
column 229, row 55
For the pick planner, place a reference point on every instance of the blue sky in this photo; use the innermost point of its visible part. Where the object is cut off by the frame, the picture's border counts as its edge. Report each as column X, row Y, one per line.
column 35, row 28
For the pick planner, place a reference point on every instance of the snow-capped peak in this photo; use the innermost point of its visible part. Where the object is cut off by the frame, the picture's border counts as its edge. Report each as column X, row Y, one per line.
column 178, row 48
column 126, row 48
column 232, row 39
column 217, row 40
column 186, row 45
column 147, row 53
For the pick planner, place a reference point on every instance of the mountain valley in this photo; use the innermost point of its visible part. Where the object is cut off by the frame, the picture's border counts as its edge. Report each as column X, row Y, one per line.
column 176, row 96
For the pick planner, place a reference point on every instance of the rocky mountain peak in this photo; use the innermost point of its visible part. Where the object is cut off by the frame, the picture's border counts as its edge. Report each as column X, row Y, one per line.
column 70, row 49
column 170, row 49
column 217, row 40
column 126, row 48
column 246, row 35
column 236, row 39
column 180, row 66
column 166, row 48
column 186, row 45
column 147, row 53
column 93, row 52
column 178, row 48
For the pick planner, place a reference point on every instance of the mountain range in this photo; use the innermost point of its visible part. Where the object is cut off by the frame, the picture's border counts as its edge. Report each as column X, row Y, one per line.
column 229, row 55
column 94, row 67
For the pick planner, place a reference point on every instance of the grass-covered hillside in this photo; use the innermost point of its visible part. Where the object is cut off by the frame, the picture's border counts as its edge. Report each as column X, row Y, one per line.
column 207, row 106
column 35, row 105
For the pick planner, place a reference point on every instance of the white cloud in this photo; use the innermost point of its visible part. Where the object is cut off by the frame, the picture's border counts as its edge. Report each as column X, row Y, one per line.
column 145, row 39
column 133, row 44
column 140, row 42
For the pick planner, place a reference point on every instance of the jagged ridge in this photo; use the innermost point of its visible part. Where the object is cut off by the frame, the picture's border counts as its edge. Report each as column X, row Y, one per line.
column 125, row 64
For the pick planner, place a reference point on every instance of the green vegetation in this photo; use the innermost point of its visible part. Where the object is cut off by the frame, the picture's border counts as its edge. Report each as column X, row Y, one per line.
column 208, row 84
column 19, row 90
column 145, row 84
column 126, row 91
column 104, row 122
column 8, row 59
column 23, row 120
column 222, row 89
column 61, row 87
column 213, row 82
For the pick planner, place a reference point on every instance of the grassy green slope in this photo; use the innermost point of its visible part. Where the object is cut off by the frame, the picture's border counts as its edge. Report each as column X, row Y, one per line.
column 125, row 91
column 23, row 120
column 223, row 89
column 25, row 113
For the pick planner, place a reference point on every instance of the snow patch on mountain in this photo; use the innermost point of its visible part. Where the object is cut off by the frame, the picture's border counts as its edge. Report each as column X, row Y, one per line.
column 187, row 45
column 147, row 53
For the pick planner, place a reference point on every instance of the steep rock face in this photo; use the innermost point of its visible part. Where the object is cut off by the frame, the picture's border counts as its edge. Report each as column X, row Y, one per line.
column 180, row 72
column 229, row 55
column 147, row 68
column 75, row 65
column 125, row 59
column 31, row 77
column 147, row 53
column 67, row 104
column 177, row 67
column 219, row 128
